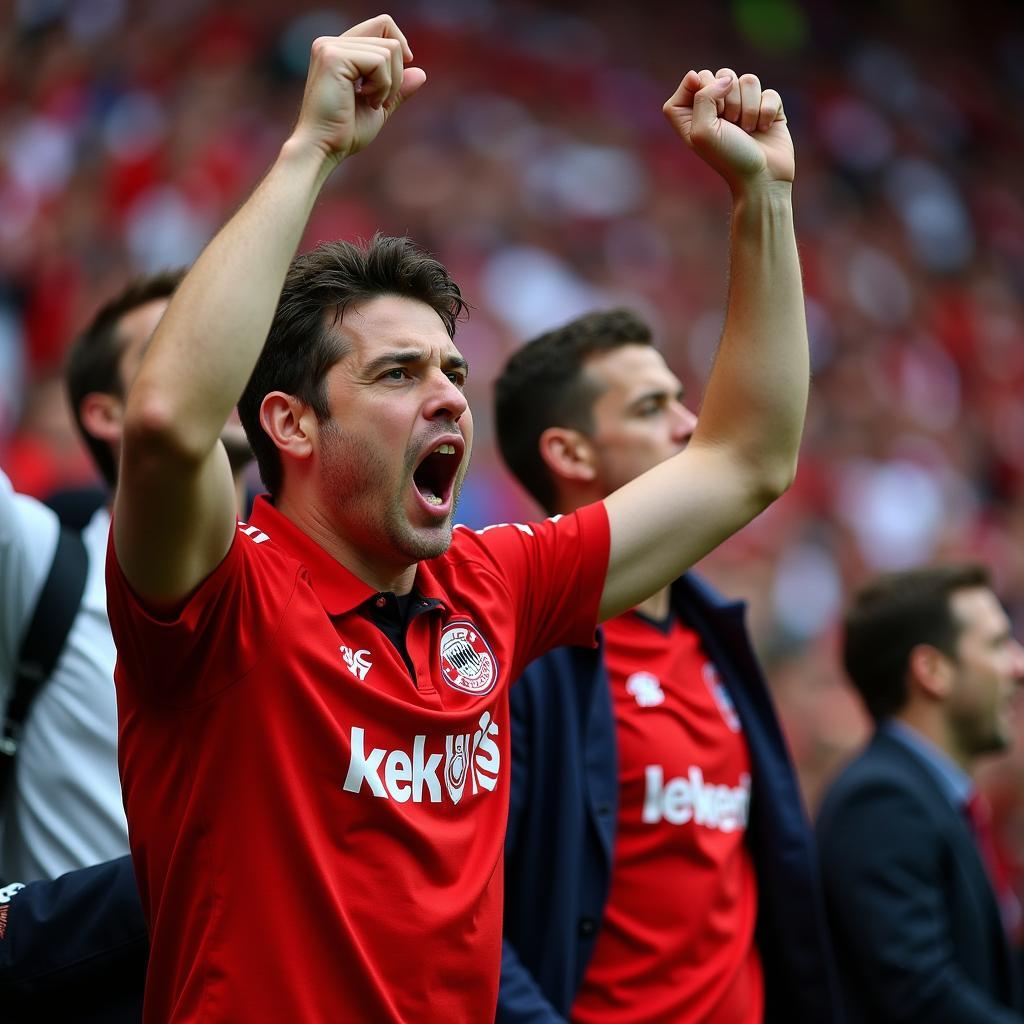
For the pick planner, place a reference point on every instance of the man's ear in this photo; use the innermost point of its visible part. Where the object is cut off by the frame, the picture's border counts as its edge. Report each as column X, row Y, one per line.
column 290, row 423
column 931, row 672
column 102, row 416
column 568, row 454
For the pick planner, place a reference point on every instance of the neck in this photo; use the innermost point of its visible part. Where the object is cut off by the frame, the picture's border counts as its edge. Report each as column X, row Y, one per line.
column 929, row 722
column 379, row 574
column 656, row 606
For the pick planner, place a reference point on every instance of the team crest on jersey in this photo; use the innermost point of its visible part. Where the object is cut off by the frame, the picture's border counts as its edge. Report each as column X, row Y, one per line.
column 467, row 662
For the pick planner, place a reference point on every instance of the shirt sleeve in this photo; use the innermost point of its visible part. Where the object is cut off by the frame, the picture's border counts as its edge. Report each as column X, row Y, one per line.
column 28, row 539
column 554, row 572
column 211, row 640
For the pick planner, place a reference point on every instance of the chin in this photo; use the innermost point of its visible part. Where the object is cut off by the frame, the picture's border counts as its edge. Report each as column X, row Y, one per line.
column 420, row 545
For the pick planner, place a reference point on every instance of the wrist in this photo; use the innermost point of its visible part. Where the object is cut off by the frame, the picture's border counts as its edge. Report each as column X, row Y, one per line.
column 303, row 159
column 764, row 210
column 759, row 190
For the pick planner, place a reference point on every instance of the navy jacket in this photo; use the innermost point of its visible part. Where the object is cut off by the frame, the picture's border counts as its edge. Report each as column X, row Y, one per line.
column 562, row 823
column 915, row 920
column 74, row 949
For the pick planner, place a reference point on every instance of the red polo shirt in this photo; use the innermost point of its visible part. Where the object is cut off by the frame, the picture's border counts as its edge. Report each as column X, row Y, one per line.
column 676, row 944
column 317, row 830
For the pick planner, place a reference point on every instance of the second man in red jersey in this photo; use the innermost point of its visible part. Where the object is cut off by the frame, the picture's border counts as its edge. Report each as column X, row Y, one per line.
column 659, row 865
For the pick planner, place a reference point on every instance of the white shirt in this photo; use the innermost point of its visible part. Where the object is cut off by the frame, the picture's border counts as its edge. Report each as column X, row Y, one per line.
column 65, row 810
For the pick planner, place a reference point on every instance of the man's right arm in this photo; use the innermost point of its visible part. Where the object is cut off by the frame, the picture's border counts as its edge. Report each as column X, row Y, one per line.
column 175, row 507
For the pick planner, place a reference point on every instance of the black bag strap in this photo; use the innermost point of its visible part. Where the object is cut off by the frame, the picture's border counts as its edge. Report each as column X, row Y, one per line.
column 47, row 633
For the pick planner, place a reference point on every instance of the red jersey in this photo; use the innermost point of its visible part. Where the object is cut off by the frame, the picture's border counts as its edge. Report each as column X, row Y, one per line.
column 676, row 944
column 317, row 818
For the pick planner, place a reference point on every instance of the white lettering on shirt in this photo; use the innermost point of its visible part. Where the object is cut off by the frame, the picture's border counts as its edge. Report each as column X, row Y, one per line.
column 399, row 775
column 690, row 798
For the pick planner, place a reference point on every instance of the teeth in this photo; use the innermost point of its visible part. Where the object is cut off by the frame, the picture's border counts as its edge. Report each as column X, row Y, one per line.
column 445, row 449
column 432, row 499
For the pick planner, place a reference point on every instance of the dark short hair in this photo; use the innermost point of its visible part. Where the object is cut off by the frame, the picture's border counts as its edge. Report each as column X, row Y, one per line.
column 543, row 385
column 890, row 616
column 301, row 345
column 93, row 361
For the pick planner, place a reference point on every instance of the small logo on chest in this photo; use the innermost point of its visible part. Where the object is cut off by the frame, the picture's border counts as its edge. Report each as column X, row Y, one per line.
column 467, row 662
column 646, row 689
column 726, row 708
column 358, row 662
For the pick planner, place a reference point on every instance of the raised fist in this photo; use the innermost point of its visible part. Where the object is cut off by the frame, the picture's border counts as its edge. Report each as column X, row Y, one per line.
column 355, row 82
column 734, row 125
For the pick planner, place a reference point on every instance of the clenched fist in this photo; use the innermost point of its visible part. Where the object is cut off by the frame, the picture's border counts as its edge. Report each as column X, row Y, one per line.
column 355, row 82
column 735, row 126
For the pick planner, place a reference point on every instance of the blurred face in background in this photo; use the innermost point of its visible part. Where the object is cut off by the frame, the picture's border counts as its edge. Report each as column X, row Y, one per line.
column 989, row 665
column 639, row 417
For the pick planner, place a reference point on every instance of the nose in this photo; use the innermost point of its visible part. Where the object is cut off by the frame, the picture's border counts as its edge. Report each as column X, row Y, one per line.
column 684, row 423
column 1018, row 662
column 446, row 400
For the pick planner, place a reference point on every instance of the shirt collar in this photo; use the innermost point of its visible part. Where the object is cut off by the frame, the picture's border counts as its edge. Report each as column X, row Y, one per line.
column 953, row 780
column 338, row 589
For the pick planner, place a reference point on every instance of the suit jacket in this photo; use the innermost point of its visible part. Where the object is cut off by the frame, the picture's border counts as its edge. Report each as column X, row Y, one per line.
column 915, row 920
column 562, row 819
column 74, row 949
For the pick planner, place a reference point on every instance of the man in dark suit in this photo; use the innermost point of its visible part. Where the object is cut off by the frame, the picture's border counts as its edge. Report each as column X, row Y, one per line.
column 659, row 864
column 919, row 926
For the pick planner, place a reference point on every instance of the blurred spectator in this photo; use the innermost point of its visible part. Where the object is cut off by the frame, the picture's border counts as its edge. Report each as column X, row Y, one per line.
column 921, row 909
column 63, row 809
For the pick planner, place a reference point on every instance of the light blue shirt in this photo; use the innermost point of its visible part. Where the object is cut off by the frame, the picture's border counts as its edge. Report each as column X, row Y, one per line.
column 952, row 779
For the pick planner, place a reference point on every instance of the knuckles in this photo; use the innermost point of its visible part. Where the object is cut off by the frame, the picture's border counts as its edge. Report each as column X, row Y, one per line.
column 321, row 46
column 325, row 48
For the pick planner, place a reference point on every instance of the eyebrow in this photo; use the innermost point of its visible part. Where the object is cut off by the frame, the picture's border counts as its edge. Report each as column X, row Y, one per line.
column 407, row 357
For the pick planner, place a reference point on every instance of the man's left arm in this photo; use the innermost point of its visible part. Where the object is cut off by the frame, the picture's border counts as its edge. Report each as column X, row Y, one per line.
column 743, row 454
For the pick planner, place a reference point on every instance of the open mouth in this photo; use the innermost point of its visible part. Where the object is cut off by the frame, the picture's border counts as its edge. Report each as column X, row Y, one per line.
column 434, row 477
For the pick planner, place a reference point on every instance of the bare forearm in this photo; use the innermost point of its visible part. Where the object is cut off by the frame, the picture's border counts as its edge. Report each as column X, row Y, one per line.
column 209, row 339
column 756, row 397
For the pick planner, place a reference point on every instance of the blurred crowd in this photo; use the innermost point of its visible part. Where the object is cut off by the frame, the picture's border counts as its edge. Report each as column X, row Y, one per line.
column 537, row 165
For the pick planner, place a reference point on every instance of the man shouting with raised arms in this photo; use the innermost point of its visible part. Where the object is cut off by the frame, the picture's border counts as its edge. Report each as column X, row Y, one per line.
column 314, row 720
